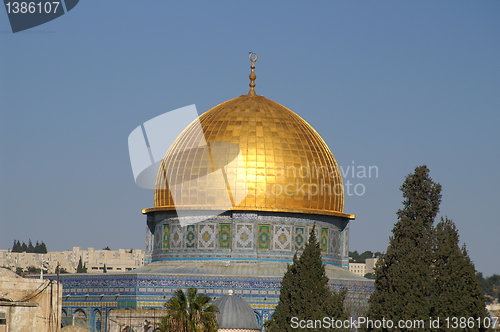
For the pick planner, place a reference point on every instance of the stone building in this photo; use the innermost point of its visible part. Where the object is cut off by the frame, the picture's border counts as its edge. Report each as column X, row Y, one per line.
column 120, row 260
column 363, row 268
column 29, row 304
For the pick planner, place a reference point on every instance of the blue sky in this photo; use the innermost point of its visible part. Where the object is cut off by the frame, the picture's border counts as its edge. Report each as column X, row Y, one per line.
column 388, row 84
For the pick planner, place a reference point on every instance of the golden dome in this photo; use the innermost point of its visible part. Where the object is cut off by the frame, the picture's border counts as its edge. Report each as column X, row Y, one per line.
column 282, row 164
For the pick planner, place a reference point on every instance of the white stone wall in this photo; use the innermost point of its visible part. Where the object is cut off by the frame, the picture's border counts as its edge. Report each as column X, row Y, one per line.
column 370, row 264
column 363, row 268
column 34, row 305
column 115, row 260
column 357, row 268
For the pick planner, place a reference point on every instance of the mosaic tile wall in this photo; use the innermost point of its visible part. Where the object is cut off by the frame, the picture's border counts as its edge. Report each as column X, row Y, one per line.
column 240, row 235
column 103, row 293
column 231, row 235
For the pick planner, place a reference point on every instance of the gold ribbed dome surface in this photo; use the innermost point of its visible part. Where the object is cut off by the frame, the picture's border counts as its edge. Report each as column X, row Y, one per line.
column 283, row 164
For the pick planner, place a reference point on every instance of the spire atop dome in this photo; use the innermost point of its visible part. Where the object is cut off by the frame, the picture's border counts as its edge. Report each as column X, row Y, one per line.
column 253, row 58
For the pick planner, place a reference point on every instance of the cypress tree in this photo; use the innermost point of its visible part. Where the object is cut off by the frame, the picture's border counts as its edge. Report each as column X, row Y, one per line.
column 403, row 284
column 31, row 249
column 305, row 293
column 457, row 292
column 24, row 247
column 81, row 268
column 16, row 247
column 43, row 248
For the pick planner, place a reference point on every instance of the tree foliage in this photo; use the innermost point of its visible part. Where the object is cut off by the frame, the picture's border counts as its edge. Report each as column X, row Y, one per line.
column 369, row 276
column 403, row 275
column 191, row 313
column 354, row 257
column 33, row 270
column 39, row 248
column 424, row 273
column 305, row 293
column 456, row 291
column 81, row 268
column 490, row 286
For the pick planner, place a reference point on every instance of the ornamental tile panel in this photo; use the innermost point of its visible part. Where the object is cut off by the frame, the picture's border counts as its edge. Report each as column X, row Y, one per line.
column 345, row 242
column 191, row 236
column 166, row 237
column 207, row 235
column 225, row 235
column 282, row 237
column 323, row 240
column 299, row 238
column 176, row 237
column 244, row 236
column 158, row 236
column 264, row 237
column 335, row 242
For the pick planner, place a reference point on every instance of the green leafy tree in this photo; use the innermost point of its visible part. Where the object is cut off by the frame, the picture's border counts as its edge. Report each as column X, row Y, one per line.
column 361, row 258
column 354, row 257
column 365, row 255
column 16, row 247
column 305, row 293
column 40, row 248
column 424, row 272
column 43, row 248
column 33, row 270
column 191, row 313
column 457, row 292
column 37, row 248
column 403, row 285
column 31, row 249
column 490, row 286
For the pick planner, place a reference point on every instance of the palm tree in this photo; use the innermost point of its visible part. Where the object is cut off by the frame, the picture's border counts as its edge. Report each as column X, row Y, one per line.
column 191, row 313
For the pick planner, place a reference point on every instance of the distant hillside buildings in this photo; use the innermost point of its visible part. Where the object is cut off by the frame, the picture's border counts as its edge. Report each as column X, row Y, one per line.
column 363, row 268
column 95, row 260
column 115, row 260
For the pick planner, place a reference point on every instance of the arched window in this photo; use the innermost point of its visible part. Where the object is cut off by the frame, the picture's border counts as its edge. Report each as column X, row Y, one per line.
column 97, row 321
column 80, row 317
